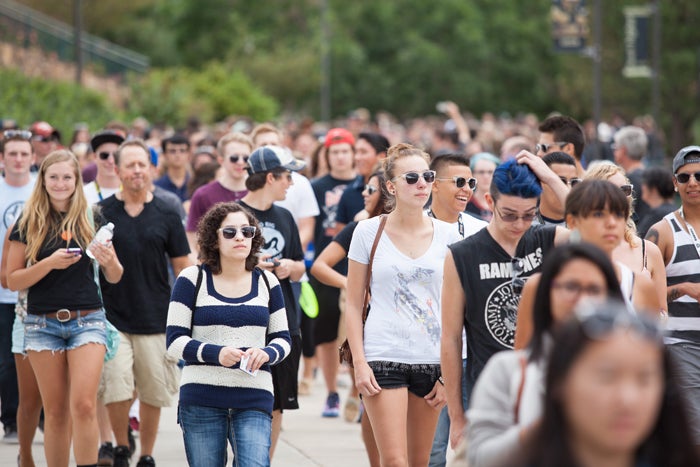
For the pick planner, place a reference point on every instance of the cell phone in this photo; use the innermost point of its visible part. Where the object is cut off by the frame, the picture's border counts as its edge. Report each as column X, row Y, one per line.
column 275, row 262
column 75, row 251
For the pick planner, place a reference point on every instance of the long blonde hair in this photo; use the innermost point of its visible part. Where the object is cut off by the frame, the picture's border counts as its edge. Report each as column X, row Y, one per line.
column 604, row 170
column 38, row 216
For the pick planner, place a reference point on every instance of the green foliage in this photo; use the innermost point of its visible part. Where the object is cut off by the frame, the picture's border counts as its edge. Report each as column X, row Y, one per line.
column 212, row 93
column 62, row 104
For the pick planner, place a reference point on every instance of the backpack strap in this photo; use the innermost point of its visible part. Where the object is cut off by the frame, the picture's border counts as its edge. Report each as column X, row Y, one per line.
column 197, row 286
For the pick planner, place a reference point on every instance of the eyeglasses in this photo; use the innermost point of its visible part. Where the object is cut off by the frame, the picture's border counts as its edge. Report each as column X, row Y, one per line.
column 510, row 217
column 104, row 155
column 228, row 233
column 597, row 322
column 627, row 189
column 371, row 189
column 516, row 282
column 461, row 182
column 575, row 289
column 235, row 157
column 413, row 177
column 18, row 134
column 685, row 178
column 545, row 147
column 572, row 182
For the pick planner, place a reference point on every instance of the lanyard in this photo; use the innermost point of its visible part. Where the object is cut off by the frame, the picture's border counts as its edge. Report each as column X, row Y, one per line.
column 460, row 224
column 691, row 231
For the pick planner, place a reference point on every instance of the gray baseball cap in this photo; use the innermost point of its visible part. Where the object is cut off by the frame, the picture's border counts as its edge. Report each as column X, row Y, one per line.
column 687, row 155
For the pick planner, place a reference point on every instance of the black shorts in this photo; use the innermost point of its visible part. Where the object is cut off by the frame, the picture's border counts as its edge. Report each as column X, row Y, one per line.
column 419, row 378
column 328, row 319
column 285, row 379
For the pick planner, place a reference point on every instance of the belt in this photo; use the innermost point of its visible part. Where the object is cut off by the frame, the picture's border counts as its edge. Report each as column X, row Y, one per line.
column 64, row 314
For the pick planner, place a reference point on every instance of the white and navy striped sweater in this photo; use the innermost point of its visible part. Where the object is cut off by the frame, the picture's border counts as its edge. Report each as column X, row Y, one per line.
column 220, row 321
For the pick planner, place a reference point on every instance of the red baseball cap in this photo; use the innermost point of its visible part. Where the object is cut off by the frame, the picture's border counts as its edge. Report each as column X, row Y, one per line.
column 337, row 136
column 45, row 130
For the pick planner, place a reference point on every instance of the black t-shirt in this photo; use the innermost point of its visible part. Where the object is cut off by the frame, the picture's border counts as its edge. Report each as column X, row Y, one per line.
column 328, row 192
column 351, row 202
column 485, row 271
column 138, row 304
column 281, row 241
column 344, row 237
column 73, row 288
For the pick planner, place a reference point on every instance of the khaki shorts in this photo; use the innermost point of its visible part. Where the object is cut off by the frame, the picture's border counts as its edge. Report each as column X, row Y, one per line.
column 141, row 364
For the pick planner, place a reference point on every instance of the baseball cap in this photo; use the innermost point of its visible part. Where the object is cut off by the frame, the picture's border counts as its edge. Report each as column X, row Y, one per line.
column 682, row 158
column 266, row 158
column 106, row 136
column 45, row 131
column 337, row 136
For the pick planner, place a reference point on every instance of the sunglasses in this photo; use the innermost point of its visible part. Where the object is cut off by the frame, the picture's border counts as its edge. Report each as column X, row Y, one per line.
column 235, row 157
column 597, row 323
column 516, row 282
column 18, row 134
column 230, row 232
column 461, row 182
column 371, row 189
column 104, row 155
column 545, row 147
column 685, row 178
column 572, row 182
column 413, row 177
column 627, row 189
column 509, row 217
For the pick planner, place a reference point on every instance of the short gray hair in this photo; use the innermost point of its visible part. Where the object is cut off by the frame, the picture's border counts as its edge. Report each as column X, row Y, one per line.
column 634, row 139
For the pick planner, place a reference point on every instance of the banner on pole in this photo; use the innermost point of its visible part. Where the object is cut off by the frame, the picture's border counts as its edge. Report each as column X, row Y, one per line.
column 569, row 20
column 637, row 42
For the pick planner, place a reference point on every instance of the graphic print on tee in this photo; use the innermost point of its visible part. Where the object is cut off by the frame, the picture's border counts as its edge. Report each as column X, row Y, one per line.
column 274, row 240
column 422, row 314
column 12, row 213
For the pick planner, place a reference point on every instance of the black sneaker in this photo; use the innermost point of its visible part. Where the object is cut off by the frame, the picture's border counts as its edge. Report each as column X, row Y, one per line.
column 146, row 461
column 10, row 435
column 105, row 456
column 122, row 455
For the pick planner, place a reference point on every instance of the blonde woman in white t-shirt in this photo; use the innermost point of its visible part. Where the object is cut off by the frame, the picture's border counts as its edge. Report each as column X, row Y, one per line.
column 397, row 355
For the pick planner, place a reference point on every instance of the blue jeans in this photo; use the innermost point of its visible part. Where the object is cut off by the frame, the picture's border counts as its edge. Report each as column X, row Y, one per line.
column 438, row 454
column 206, row 430
column 9, row 394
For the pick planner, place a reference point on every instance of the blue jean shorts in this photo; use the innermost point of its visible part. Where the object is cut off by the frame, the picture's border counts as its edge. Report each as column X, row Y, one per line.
column 42, row 333
column 419, row 378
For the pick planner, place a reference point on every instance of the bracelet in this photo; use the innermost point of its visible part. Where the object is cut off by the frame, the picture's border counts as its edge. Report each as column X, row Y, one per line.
column 440, row 380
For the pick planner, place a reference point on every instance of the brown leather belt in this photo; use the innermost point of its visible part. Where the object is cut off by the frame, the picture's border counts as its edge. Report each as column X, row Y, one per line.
column 64, row 314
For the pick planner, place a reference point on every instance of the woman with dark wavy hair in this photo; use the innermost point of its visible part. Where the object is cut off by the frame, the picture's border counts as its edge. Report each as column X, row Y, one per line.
column 228, row 322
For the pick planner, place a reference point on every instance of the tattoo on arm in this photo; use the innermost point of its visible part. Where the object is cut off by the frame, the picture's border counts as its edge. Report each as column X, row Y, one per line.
column 653, row 236
column 674, row 294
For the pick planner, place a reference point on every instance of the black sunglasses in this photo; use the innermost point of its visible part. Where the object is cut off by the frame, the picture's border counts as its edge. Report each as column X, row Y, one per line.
column 235, row 157
column 371, row 189
column 413, row 177
column 627, row 189
column 230, row 232
column 461, row 182
column 18, row 134
column 104, row 155
column 544, row 147
column 685, row 178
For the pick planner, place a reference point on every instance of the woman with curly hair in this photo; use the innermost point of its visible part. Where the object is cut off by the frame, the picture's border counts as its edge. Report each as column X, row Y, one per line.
column 228, row 322
column 65, row 324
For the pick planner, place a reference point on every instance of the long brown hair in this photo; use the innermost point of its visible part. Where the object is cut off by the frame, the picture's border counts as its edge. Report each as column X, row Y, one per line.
column 38, row 216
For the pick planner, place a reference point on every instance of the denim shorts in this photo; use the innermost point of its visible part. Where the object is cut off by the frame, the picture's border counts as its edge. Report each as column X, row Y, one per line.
column 419, row 378
column 18, row 336
column 42, row 333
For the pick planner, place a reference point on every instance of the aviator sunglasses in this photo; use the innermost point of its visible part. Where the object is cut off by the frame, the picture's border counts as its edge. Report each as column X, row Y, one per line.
column 230, row 232
column 413, row 177
column 461, row 182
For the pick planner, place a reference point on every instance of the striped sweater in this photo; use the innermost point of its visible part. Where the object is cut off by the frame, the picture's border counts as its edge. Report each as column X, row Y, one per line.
column 257, row 319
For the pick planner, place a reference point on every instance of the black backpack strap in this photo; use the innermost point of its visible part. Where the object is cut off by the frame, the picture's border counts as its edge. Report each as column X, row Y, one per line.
column 197, row 286
column 267, row 284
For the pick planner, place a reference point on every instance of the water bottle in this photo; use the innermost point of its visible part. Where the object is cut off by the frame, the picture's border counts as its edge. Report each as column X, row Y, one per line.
column 103, row 237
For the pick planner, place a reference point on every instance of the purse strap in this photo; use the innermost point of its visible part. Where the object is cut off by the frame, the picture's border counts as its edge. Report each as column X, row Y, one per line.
column 365, row 308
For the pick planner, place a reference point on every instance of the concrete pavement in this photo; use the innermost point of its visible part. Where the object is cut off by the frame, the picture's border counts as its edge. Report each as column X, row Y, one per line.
column 307, row 439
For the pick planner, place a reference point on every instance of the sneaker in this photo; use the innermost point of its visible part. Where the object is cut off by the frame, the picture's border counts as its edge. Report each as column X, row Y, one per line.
column 10, row 435
column 351, row 409
column 105, row 455
column 132, row 442
column 146, row 461
column 122, row 455
column 332, row 408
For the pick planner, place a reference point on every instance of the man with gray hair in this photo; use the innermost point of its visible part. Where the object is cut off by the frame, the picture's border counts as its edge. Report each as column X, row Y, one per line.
column 629, row 149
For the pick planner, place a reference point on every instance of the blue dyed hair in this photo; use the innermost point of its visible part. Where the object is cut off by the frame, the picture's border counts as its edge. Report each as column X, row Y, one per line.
column 513, row 179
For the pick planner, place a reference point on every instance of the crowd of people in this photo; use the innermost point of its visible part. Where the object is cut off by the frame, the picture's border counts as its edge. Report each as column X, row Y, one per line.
column 523, row 292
